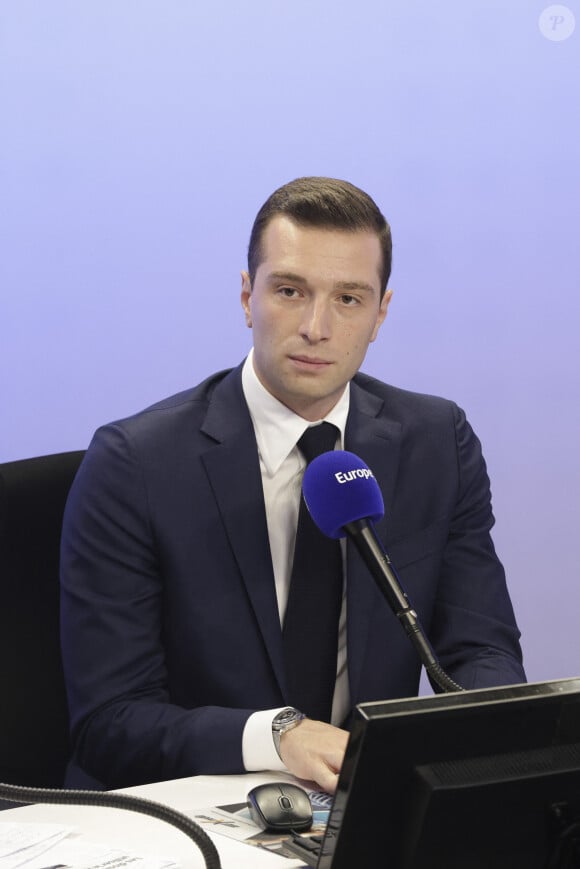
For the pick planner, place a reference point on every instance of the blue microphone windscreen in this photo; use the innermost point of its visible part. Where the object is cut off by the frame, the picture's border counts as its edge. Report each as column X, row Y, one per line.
column 339, row 488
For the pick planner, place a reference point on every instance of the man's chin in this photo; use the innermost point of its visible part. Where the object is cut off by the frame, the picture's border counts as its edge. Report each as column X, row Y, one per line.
column 312, row 404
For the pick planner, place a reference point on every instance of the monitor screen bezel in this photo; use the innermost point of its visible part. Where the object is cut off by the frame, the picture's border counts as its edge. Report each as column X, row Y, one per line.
column 390, row 738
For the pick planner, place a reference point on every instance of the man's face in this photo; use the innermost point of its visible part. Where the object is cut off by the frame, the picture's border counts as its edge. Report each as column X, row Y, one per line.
column 314, row 308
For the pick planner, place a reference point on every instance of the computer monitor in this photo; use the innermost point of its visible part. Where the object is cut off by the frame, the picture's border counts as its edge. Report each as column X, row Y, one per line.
column 486, row 779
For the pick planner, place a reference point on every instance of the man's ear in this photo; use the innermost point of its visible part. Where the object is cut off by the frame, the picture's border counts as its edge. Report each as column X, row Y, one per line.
column 245, row 298
column 382, row 313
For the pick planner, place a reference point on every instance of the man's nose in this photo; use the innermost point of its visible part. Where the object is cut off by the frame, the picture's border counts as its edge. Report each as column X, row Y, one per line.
column 316, row 325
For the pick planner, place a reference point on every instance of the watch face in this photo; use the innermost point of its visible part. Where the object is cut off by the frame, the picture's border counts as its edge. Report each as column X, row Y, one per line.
column 283, row 721
column 286, row 715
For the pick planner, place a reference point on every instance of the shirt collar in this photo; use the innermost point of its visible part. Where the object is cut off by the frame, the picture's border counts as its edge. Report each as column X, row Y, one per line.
column 277, row 428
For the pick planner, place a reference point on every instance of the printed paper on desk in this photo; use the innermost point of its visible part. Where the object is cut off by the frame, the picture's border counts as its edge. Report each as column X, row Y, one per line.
column 235, row 822
column 21, row 842
column 51, row 846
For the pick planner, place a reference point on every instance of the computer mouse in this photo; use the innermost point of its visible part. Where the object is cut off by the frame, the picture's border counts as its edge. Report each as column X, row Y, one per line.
column 280, row 807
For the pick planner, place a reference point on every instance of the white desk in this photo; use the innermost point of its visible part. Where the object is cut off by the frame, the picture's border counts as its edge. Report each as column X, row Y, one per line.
column 148, row 836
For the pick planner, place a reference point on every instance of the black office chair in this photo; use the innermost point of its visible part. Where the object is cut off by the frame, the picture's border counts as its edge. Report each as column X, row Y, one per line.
column 34, row 738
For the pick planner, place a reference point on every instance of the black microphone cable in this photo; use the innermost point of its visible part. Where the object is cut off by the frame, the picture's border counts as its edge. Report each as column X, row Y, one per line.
column 107, row 799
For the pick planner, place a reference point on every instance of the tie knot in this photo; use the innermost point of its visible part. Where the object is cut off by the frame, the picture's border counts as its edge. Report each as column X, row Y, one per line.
column 318, row 439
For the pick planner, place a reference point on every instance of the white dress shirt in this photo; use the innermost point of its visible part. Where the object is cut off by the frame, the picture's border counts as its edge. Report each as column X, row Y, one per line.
column 278, row 429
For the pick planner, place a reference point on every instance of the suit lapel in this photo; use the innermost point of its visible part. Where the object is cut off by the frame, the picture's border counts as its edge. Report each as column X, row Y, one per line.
column 233, row 469
column 376, row 438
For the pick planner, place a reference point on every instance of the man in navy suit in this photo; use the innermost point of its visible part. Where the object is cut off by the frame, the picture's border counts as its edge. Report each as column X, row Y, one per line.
column 179, row 530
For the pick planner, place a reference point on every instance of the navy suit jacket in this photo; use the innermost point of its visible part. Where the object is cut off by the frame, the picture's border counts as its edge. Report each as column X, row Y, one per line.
column 170, row 628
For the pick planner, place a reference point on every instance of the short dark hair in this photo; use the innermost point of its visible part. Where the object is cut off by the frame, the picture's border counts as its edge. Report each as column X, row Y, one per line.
column 322, row 202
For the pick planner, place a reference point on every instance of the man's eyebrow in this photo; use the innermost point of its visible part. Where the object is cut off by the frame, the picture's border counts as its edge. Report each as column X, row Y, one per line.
column 348, row 286
column 344, row 286
column 288, row 276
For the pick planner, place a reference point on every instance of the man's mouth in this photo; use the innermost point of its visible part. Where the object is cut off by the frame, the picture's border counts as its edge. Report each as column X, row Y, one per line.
column 310, row 361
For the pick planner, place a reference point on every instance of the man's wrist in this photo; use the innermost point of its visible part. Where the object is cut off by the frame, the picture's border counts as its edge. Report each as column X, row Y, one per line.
column 285, row 720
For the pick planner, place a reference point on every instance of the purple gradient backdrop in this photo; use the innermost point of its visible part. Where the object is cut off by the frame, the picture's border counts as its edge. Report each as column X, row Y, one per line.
column 139, row 139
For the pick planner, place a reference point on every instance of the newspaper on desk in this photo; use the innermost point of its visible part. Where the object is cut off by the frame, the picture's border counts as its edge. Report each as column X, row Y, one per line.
column 55, row 846
column 235, row 822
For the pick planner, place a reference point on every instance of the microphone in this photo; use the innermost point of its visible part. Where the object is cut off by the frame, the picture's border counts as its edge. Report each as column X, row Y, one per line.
column 344, row 498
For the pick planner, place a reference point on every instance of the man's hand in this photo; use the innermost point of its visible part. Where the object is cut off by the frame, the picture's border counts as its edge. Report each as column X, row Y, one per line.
column 314, row 751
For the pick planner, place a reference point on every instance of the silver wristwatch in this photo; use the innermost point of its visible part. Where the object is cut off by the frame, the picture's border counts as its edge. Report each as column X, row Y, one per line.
column 286, row 719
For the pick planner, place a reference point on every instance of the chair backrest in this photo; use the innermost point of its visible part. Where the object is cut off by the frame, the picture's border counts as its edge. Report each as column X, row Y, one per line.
column 34, row 739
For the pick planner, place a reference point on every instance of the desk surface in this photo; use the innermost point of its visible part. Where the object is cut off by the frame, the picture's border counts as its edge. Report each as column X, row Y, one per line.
column 150, row 837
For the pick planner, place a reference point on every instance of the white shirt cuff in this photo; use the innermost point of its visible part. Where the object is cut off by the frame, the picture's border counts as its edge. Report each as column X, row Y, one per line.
column 258, row 749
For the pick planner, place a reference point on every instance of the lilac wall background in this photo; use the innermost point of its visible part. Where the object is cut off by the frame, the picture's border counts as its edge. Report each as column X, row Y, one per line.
column 139, row 138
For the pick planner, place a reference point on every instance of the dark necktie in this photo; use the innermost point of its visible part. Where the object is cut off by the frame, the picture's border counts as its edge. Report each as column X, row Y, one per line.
column 314, row 601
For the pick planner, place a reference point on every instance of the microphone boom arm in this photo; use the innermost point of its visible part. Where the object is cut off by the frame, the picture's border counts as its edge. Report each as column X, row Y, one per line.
column 108, row 799
column 364, row 536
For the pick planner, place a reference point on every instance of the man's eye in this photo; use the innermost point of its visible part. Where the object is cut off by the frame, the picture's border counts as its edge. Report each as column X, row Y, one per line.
column 346, row 299
column 289, row 292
